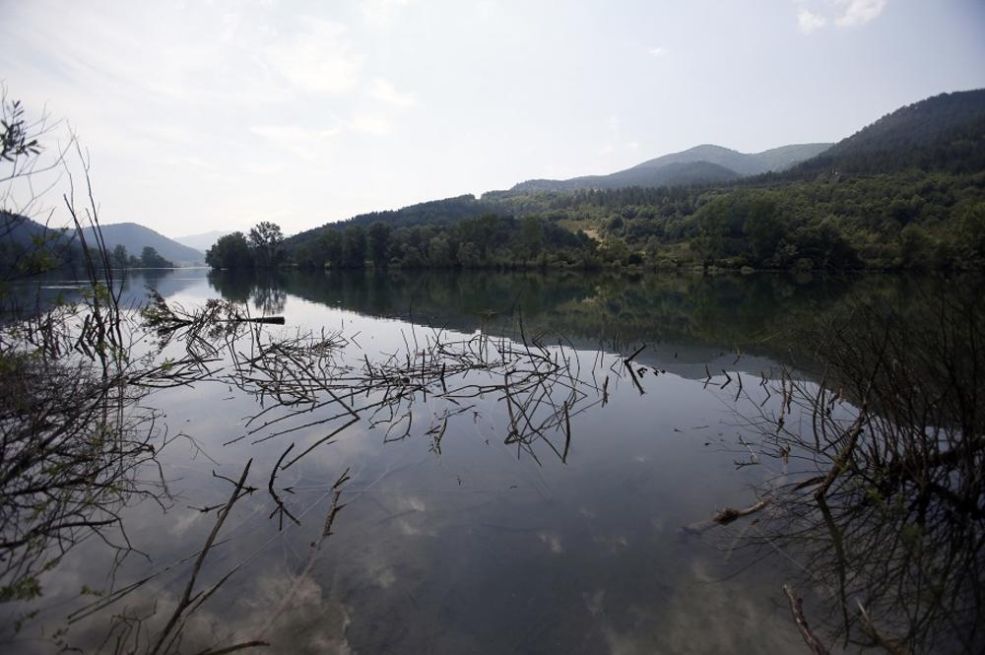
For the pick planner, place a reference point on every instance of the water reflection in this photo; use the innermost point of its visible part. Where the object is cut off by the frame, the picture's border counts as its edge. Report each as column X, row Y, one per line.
column 509, row 487
column 879, row 495
column 688, row 321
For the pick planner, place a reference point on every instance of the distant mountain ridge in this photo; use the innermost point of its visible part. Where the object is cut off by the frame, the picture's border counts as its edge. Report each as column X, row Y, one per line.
column 203, row 240
column 432, row 212
column 944, row 132
column 704, row 164
column 135, row 238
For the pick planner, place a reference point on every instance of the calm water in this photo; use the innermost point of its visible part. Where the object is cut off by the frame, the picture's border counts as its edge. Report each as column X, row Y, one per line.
column 451, row 540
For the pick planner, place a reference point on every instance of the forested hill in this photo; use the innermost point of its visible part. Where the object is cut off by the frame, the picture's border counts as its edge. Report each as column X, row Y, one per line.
column 670, row 174
column 942, row 133
column 27, row 247
column 704, row 164
column 905, row 193
column 434, row 212
column 136, row 237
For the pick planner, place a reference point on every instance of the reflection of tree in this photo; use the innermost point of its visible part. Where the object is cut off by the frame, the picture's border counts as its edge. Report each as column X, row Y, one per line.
column 756, row 314
column 628, row 309
column 265, row 289
column 887, row 514
column 153, row 277
column 268, row 294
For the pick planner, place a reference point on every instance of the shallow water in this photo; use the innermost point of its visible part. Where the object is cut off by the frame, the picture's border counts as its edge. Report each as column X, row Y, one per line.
column 461, row 543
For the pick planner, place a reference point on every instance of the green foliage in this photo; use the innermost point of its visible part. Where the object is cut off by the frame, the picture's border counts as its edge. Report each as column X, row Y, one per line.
column 379, row 243
column 907, row 192
column 261, row 250
column 26, row 588
column 149, row 258
column 231, row 251
column 15, row 137
column 119, row 257
column 265, row 241
column 942, row 133
column 354, row 247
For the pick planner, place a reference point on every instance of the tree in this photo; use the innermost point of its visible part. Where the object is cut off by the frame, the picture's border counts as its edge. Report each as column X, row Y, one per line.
column 149, row 258
column 265, row 240
column 379, row 243
column 354, row 247
column 231, row 251
column 331, row 247
column 16, row 141
column 531, row 236
column 120, row 258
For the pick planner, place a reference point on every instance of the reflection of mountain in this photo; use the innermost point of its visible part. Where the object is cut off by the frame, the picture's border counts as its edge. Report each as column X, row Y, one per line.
column 687, row 321
column 38, row 294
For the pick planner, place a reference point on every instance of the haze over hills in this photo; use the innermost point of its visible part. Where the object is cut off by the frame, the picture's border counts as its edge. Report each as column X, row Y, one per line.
column 135, row 238
column 202, row 241
column 704, row 164
column 904, row 193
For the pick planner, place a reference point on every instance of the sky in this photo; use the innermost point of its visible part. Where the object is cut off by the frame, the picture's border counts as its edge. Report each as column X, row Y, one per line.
column 202, row 116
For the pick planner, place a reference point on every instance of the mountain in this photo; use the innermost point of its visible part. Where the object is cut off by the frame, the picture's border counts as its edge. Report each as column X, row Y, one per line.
column 434, row 212
column 704, row 164
column 136, row 237
column 945, row 132
column 202, row 241
column 671, row 174
column 28, row 246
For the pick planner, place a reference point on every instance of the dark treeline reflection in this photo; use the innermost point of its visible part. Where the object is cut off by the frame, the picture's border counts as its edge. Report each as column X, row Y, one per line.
column 37, row 295
column 681, row 316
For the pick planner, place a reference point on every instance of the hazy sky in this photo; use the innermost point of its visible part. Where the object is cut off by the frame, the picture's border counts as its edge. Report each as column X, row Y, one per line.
column 215, row 115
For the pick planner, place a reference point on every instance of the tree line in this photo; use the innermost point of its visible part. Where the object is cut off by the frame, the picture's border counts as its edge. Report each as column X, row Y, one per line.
column 911, row 220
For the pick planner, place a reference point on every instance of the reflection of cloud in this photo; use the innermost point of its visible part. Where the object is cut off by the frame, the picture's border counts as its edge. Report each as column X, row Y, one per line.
column 415, row 503
column 553, row 541
column 613, row 543
column 707, row 616
column 304, row 621
column 594, row 602
column 290, row 613
column 385, row 577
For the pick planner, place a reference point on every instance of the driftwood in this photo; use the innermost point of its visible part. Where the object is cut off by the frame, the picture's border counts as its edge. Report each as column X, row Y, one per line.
column 726, row 516
column 796, row 607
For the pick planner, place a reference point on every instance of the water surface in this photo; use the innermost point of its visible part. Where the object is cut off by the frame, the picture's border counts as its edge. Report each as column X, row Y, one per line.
column 453, row 539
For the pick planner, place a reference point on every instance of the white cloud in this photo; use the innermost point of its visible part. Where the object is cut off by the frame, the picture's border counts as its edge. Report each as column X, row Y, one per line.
column 319, row 59
column 841, row 13
column 657, row 51
column 374, row 124
column 305, row 143
column 858, row 12
column 384, row 90
column 808, row 21
column 381, row 13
